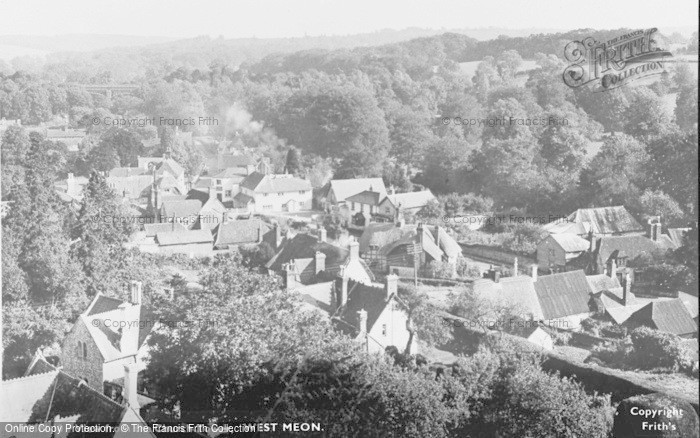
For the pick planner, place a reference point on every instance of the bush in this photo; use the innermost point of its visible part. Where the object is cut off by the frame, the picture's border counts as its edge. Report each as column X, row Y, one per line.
column 561, row 338
column 655, row 349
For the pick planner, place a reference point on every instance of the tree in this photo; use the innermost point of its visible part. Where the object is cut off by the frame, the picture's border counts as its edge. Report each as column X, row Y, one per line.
column 616, row 175
column 293, row 164
column 126, row 144
column 215, row 341
column 424, row 321
column 103, row 225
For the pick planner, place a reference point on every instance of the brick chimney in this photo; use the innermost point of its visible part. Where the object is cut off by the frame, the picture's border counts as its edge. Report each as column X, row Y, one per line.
column 534, row 272
column 515, row 267
column 136, row 295
column 290, row 275
column 613, row 268
column 322, row 234
column 354, row 248
column 320, row 261
column 130, row 393
column 654, row 227
column 362, row 321
column 344, row 291
column 278, row 236
column 392, row 285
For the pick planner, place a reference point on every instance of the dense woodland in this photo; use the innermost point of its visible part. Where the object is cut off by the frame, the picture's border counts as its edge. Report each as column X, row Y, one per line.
column 371, row 111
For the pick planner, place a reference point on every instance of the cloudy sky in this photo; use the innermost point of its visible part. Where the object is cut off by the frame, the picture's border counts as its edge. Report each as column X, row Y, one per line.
column 291, row 18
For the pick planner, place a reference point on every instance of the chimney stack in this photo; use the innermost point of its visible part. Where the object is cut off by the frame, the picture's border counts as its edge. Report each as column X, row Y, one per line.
column 322, row 234
column 496, row 275
column 278, row 236
column 626, row 288
column 130, row 393
column 290, row 275
column 362, row 317
column 136, row 293
column 613, row 268
column 344, row 291
column 654, row 223
column 515, row 267
column 534, row 272
column 320, row 259
column 354, row 248
column 392, row 285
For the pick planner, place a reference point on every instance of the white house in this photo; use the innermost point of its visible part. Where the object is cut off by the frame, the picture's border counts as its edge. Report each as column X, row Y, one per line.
column 262, row 193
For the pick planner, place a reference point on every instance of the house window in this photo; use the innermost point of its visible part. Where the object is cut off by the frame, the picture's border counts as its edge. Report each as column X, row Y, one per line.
column 265, row 194
column 387, row 210
column 280, row 193
column 267, row 207
column 81, row 351
column 228, row 193
column 302, row 192
column 353, row 206
column 621, row 262
column 218, row 182
column 383, row 329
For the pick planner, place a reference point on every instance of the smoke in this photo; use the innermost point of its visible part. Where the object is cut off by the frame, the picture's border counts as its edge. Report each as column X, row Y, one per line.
column 239, row 122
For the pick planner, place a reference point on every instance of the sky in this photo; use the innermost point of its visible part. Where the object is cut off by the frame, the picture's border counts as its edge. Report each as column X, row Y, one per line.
column 295, row 18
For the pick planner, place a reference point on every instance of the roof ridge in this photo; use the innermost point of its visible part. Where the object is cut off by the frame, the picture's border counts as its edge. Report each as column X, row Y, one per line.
column 56, row 371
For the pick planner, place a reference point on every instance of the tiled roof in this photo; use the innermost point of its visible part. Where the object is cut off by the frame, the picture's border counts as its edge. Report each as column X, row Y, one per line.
column 261, row 183
column 571, row 242
column 382, row 234
column 153, row 229
column 370, row 298
column 602, row 282
column 411, row 200
column 607, row 220
column 565, row 227
column 676, row 235
column 344, row 188
column 366, row 197
column 668, row 316
column 518, row 291
column 242, row 200
column 240, row 232
column 56, row 394
column 564, row 294
column 448, row 244
column 170, row 166
column 319, row 295
column 184, row 237
column 304, row 246
column 102, row 304
column 181, row 209
column 143, row 162
column 625, row 246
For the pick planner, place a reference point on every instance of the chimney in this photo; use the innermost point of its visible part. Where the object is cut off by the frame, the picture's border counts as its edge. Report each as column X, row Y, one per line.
column 224, row 217
column 419, row 232
column 392, row 285
column 278, row 236
column 320, row 259
column 354, row 248
column 437, row 236
column 260, row 233
column 362, row 321
column 131, row 375
column 136, row 293
column 290, row 275
column 392, row 190
column 626, row 288
column 515, row 267
column 322, row 234
column 613, row 268
column 534, row 272
column 344, row 291
column 496, row 275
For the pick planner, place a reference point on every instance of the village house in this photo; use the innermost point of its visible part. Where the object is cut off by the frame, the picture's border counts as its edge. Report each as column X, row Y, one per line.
column 560, row 300
column 233, row 233
column 669, row 316
column 396, row 204
column 227, row 184
column 601, row 221
column 71, row 189
column 370, row 313
column 337, row 191
column 261, row 193
column 49, row 395
column 108, row 336
column 398, row 245
column 562, row 252
column 611, row 254
column 190, row 242
column 306, row 259
column 70, row 137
